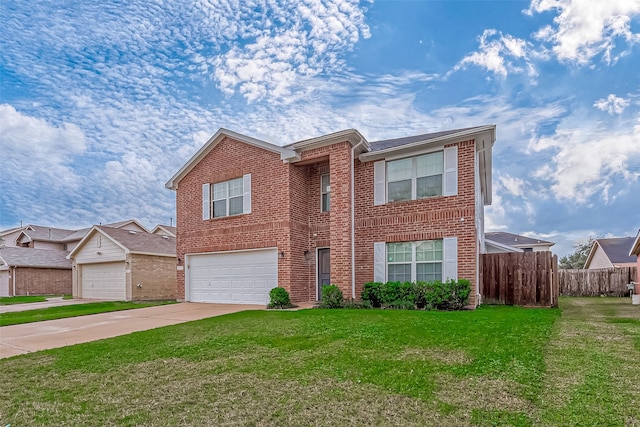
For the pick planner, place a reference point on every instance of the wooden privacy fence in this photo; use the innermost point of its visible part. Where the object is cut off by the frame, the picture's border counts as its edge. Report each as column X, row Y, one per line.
column 604, row 281
column 520, row 278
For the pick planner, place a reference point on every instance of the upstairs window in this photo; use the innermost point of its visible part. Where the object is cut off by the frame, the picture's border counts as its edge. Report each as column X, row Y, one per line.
column 226, row 198
column 415, row 177
column 325, row 193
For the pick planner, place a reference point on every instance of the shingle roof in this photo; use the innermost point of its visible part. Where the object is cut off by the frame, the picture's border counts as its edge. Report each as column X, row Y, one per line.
column 139, row 241
column 49, row 234
column 169, row 228
column 29, row 257
column 514, row 239
column 397, row 142
column 617, row 249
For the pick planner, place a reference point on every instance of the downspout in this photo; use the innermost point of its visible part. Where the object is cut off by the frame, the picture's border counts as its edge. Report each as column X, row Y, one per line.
column 353, row 221
column 13, row 279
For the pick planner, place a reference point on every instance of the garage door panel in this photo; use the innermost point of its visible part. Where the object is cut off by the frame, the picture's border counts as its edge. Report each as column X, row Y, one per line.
column 104, row 281
column 233, row 277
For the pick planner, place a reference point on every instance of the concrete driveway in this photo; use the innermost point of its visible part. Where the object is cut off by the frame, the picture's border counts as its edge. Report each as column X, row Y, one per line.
column 21, row 339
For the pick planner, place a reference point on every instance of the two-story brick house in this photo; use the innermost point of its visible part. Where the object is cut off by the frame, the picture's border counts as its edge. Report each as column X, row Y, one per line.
column 333, row 209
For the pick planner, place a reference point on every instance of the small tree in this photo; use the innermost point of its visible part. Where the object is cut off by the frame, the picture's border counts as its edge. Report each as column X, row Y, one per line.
column 577, row 259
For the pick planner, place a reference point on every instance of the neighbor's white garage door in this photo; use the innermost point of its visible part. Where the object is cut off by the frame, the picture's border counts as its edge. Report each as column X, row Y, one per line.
column 4, row 283
column 104, row 281
column 233, row 277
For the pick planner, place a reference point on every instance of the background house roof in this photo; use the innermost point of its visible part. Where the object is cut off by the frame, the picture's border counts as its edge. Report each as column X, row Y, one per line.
column 45, row 234
column 29, row 257
column 140, row 242
column 515, row 239
column 616, row 249
column 635, row 248
column 171, row 230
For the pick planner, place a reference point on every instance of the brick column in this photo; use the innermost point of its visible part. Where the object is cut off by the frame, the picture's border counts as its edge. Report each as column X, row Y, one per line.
column 340, row 216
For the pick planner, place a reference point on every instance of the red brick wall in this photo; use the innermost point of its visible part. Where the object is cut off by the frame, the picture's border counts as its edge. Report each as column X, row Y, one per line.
column 267, row 225
column 432, row 218
column 286, row 214
column 42, row 281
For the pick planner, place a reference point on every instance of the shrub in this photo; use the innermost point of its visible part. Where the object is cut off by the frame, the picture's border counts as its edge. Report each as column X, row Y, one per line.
column 351, row 303
column 451, row 295
column 331, row 297
column 279, row 298
column 371, row 293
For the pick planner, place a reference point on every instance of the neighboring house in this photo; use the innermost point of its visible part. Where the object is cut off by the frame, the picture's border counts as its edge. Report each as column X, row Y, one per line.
column 42, row 237
column 608, row 253
column 26, row 271
column 635, row 251
column 336, row 209
column 121, row 264
column 164, row 230
column 499, row 241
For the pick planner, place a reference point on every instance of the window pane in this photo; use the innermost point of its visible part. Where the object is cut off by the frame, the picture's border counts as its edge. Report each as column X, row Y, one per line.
column 235, row 187
column 325, row 183
column 400, row 190
column 326, row 201
column 399, row 170
column 429, row 164
column 235, row 206
column 429, row 186
column 220, row 208
column 220, row 191
column 399, row 273
column 430, row 250
column 399, row 252
column 429, row 272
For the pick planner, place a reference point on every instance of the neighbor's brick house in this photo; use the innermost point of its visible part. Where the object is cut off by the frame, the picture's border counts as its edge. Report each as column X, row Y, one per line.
column 334, row 209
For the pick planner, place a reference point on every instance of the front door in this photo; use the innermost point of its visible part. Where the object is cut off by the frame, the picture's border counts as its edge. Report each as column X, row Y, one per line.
column 324, row 270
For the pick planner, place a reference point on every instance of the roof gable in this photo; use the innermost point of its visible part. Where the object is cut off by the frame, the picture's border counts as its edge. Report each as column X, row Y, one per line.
column 285, row 153
column 132, row 241
column 616, row 250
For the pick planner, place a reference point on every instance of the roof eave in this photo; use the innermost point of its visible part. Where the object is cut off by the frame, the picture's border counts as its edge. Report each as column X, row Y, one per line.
column 352, row 136
column 502, row 245
column 635, row 247
column 285, row 153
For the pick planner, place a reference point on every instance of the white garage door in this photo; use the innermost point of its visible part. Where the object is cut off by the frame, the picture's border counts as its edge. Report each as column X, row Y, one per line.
column 104, row 281
column 4, row 283
column 233, row 277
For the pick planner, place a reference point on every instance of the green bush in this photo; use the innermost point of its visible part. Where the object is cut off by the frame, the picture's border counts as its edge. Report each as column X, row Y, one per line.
column 279, row 298
column 331, row 297
column 352, row 303
column 371, row 293
column 451, row 295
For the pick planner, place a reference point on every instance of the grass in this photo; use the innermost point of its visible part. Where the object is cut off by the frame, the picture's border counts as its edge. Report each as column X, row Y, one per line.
column 490, row 367
column 51, row 313
column 23, row 299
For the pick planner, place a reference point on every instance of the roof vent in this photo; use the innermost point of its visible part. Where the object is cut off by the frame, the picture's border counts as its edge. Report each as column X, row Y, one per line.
column 132, row 232
column 165, row 237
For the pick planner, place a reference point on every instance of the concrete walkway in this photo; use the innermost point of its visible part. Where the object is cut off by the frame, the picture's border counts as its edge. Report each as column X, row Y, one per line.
column 29, row 337
column 50, row 302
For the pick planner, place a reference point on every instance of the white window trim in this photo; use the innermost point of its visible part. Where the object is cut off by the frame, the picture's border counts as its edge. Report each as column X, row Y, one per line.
column 208, row 200
column 414, row 260
column 323, row 193
column 227, row 199
column 414, row 177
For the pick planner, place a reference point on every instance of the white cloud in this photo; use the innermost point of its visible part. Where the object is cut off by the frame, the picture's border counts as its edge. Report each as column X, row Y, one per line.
column 589, row 159
column 612, row 104
column 584, row 29
column 515, row 186
column 501, row 54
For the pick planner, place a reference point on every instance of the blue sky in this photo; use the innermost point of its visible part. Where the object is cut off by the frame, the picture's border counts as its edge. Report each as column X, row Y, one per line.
column 102, row 102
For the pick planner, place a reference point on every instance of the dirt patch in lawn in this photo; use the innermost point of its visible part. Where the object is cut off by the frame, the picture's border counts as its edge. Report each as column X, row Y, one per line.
column 437, row 355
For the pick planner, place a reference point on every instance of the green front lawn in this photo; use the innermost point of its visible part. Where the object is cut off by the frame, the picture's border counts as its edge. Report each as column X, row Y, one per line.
column 27, row 299
column 21, row 300
column 61, row 312
column 493, row 366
